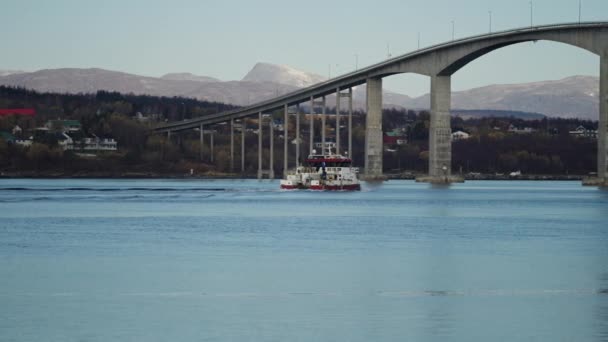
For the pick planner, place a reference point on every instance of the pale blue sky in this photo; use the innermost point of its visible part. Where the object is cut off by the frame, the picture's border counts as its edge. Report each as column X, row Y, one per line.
column 225, row 39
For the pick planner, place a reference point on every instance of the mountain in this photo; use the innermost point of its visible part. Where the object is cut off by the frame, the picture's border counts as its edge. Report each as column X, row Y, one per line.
column 282, row 74
column 575, row 96
column 10, row 72
column 186, row 76
column 70, row 80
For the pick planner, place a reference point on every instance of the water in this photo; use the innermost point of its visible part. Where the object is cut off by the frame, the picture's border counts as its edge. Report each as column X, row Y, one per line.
column 189, row 260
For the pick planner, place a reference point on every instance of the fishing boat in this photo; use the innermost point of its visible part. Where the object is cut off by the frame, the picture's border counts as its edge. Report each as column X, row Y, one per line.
column 329, row 171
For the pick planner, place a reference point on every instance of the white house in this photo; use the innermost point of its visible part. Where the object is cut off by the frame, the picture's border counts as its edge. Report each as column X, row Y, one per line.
column 582, row 132
column 460, row 135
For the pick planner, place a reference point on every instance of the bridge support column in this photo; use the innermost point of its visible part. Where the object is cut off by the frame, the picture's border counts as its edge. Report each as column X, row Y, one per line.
column 602, row 129
column 440, row 133
column 337, row 120
column 211, row 146
column 311, row 124
column 271, row 164
column 350, row 123
column 602, row 168
column 202, row 142
column 285, row 140
column 243, row 127
column 260, row 129
column 323, row 127
column 231, row 145
column 297, row 135
column 373, row 130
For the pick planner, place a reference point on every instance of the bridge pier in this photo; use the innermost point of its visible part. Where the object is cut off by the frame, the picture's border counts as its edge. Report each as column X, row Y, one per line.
column 440, row 133
column 211, row 146
column 311, row 125
column 373, row 130
column 260, row 129
column 297, row 135
column 243, row 127
column 323, row 127
column 201, row 142
column 231, row 145
column 602, row 129
column 285, row 140
column 271, row 162
column 337, row 120
column 350, row 123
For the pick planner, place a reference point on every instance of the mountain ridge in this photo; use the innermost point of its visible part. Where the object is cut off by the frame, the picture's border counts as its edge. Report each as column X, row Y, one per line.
column 574, row 96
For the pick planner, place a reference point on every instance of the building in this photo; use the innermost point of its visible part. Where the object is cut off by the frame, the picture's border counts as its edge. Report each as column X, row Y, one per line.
column 460, row 135
column 520, row 130
column 395, row 137
column 63, row 125
column 582, row 132
column 92, row 144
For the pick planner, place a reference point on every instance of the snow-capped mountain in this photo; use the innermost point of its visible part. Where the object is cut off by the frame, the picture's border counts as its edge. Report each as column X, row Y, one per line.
column 575, row 96
column 282, row 74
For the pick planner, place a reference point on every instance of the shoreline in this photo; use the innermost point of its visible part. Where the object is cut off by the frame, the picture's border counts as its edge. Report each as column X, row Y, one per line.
column 153, row 175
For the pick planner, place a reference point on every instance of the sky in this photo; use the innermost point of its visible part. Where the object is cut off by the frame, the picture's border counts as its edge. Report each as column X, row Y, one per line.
column 225, row 39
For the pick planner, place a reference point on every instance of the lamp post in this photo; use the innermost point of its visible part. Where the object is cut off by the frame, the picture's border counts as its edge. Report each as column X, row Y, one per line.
column 452, row 29
column 445, row 173
column 531, row 14
column 490, row 17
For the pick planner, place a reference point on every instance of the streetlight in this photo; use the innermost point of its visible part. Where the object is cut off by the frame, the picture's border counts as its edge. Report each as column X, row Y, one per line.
column 356, row 62
column 579, row 11
column 418, row 40
column 490, row 17
column 531, row 14
column 452, row 29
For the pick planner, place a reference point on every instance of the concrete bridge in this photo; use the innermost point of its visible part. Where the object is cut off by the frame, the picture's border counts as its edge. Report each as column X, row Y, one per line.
column 439, row 62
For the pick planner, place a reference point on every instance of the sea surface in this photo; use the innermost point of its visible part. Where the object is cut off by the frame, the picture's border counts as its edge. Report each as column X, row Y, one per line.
column 240, row 260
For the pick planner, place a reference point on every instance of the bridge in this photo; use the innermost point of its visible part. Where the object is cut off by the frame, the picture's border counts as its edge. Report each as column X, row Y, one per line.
column 439, row 62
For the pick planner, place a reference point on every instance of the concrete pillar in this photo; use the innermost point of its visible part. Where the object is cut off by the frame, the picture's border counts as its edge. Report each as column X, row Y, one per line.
column 260, row 128
column 211, row 146
column 285, row 140
column 337, row 120
column 373, row 130
column 271, row 164
column 312, row 125
column 202, row 142
column 440, row 133
column 243, row 127
column 297, row 135
column 602, row 138
column 323, row 127
column 350, row 123
column 231, row 145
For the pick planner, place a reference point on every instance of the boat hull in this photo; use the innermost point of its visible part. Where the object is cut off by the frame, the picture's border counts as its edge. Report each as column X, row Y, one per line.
column 348, row 187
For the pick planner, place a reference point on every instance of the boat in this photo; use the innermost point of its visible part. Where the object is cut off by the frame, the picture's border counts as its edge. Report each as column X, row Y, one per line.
column 328, row 171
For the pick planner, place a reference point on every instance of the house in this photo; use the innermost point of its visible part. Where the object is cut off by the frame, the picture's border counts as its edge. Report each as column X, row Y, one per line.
column 92, row 143
column 582, row 132
column 460, row 135
column 63, row 125
column 520, row 130
column 395, row 137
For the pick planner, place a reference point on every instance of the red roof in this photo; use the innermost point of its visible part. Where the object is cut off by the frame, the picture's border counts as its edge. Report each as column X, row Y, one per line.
column 17, row 111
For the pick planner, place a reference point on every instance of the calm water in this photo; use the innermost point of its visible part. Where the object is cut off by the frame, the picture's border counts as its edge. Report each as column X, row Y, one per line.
column 177, row 260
